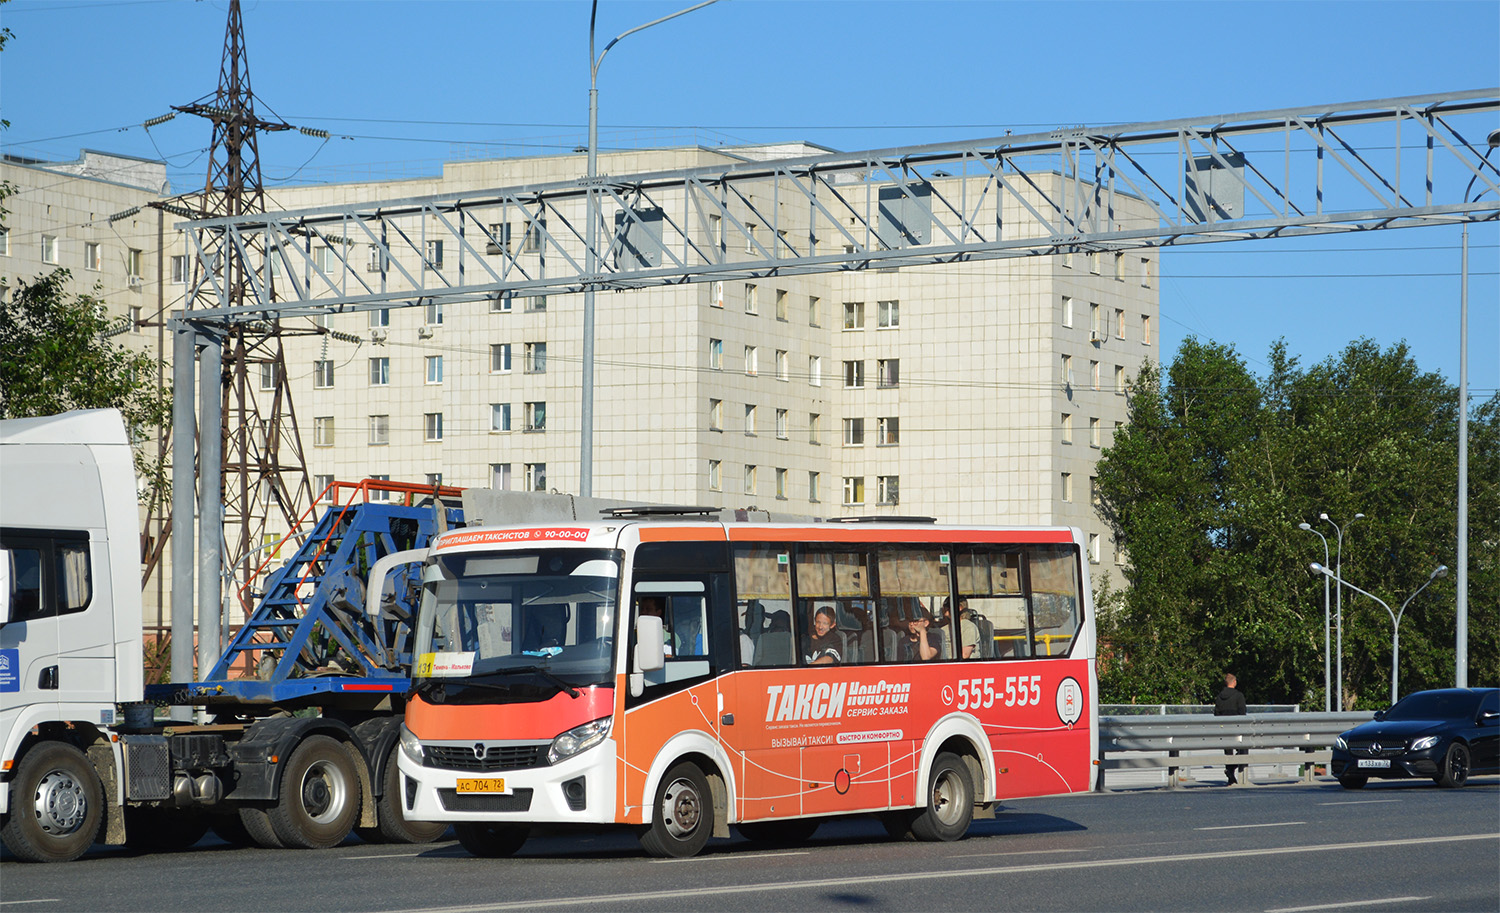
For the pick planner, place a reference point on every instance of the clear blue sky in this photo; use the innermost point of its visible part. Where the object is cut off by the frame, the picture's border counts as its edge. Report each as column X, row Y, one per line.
column 405, row 85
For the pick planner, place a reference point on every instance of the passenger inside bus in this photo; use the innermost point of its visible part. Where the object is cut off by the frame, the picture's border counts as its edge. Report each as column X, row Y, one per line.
column 825, row 646
column 656, row 606
column 917, row 644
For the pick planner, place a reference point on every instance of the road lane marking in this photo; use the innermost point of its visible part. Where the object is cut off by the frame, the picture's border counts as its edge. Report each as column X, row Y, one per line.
column 386, row 856
column 1235, row 827
column 1347, row 904
column 657, row 896
column 1360, row 802
column 11, row 903
column 1014, row 853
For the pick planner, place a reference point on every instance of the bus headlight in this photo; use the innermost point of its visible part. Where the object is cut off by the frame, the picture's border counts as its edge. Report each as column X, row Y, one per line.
column 410, row 746
column 579, row 738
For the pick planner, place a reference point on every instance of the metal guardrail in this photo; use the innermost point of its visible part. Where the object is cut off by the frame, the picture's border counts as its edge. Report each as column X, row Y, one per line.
column 1176, row 742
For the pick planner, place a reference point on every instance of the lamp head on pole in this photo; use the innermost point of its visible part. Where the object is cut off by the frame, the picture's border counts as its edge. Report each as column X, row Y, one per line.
column 1322, row 516
column 1359, row 516
column 1304, row 526
column 1440, row 571
column 1317, row 568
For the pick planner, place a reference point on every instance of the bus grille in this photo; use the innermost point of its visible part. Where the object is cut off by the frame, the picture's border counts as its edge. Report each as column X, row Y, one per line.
column 502, row 757
column 518, row 801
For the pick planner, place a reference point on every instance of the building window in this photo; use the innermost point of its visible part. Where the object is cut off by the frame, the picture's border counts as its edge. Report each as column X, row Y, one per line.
column 500, row 303
column 1119, row 323
column 499, row 242
column 1093, row 548
column 1067, row 486
column 854, row 315
column 888, row 314
column 432, row 426
column 434, row 479
column 434, row 255
column 434, row 369
column 1094, row 262
column 536, row 304
column 1067, row 371
column 750, row 228
column 1120, row 380
column 433, row 314
column 536, row 416
column 1145, row 273
column 715, row 475
column 536, row 476
column 1067, row 428
column 135, row 263
column 1094, row 491
column 323, row 488
column 854, row 432
column 752, row 360
column 380, row 317
column 782, row 372
column 887, row 489
column 781, row 304
column 1094, row 374
column 1067, row 259
column 380, row 429
column 812, row 486
column 1093, row 432
column 749, row 478
column 378, row 494
column 716, row 354
column 92, row 260
column 1067, row 311
column 380, row 372
column 500, row 358
column 854, row 374
column 781, row 424
column 535, row 233
column 814, row 433
column 499, row 417
column 4, row 242
column 323, row 374
column 815, row 370
column 268, row 375
column 179, row 269
column 813, row 304
column 716, row 294
column 887, row 431
column 500, row 476
column 323, row 431
column 1119, row 267
column 716, row 415
column 752, row 299
column 49, row 248
column 750, row 419
column 1096, row 329
column 373, row 260
column 536, row 358
column 781, row 484
column 889, row 370
column 326, row 259
column 1145, row 329
column 854, row 490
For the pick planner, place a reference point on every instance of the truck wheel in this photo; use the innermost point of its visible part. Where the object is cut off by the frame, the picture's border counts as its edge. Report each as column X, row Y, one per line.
column 950, row 801
column 490, row 841
column 163, row 829
column 391, row 810
column 319, row 796
column 683, row 815
column 257, row 823
column 57, row 805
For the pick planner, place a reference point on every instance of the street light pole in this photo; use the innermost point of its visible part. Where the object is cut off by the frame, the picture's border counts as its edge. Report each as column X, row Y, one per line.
column 591, row 256
column 1440, row 571
column 1327, row 624
column 1339, row 611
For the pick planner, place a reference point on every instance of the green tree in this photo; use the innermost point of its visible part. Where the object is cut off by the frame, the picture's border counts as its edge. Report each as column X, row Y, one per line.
column 1206, row 486
column 56, row 355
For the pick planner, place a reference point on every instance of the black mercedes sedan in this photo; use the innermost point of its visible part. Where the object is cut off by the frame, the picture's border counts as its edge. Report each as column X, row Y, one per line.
column 1445, row 735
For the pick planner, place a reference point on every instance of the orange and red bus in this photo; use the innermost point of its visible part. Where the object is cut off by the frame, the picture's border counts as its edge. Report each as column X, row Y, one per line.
column 683, row 676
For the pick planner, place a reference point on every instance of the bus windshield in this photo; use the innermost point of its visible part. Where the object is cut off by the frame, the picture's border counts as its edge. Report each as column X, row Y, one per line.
column 517, row 626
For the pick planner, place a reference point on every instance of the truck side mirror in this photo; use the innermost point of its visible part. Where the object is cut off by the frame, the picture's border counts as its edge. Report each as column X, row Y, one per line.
column 4, row 586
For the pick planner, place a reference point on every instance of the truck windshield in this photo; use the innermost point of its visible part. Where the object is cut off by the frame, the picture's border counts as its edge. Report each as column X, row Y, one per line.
column 517, row 626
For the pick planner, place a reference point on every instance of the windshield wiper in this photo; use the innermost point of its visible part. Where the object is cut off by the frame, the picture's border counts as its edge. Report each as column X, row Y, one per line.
column 562, row 683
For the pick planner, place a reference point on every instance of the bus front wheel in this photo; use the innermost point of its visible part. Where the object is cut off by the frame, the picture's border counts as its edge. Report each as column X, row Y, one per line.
column 683, row 815
column 950, row 801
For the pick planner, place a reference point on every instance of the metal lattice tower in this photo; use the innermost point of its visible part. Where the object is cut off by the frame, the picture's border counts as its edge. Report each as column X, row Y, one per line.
column 264, row 467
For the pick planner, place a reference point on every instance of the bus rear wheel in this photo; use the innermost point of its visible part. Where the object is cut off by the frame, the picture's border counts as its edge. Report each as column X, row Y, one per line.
column 950, row 801
column 682, row 817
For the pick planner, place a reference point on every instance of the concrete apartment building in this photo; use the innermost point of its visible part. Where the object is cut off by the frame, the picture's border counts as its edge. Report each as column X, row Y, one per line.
column 977, row 392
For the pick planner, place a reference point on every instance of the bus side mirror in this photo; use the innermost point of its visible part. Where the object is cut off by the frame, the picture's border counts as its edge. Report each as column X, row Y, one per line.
column 649, row 654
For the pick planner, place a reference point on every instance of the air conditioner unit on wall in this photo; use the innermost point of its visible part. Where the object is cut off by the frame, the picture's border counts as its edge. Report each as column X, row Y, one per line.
column 1096, row 336
column 136, row 282
column 424, row 332
column 377, row 335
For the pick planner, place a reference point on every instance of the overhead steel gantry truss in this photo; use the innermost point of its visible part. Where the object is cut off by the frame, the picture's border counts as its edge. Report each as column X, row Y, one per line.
column 1358, row 166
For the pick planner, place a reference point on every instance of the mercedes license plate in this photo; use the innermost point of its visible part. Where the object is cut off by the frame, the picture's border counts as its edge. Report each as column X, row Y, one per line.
column 1363, row 762
column 483, row 785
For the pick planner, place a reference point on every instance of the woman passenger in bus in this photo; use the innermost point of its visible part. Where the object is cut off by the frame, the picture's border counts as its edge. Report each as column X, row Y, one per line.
column 823, row 646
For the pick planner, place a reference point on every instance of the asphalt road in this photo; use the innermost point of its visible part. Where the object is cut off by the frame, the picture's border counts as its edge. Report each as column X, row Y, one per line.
column 1282, row 848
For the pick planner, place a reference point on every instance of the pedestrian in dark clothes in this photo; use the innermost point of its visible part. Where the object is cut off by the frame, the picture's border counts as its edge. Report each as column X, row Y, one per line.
column 1231, row 702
